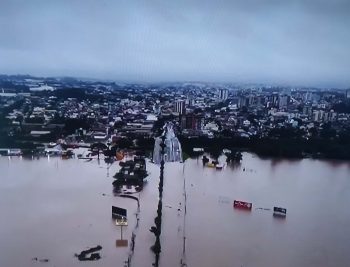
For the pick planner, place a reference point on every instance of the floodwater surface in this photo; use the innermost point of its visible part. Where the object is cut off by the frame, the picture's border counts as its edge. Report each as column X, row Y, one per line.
column 53, row 208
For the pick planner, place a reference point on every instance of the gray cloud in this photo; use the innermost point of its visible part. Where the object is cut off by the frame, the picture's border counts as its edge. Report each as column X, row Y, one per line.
column 297, row 42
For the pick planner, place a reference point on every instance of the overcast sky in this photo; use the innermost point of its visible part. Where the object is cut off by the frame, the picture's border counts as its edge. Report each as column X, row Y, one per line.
column 302, row 42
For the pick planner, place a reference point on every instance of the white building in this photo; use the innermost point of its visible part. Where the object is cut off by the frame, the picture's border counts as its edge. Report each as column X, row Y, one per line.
column 223, row 94
column 180, row 107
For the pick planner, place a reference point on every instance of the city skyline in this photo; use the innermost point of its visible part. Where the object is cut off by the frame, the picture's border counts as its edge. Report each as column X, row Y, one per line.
column 301, row 43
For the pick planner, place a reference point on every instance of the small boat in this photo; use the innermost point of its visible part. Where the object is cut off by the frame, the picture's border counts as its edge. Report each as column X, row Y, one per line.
column 211, row 165
column 242, row 205
column 279, row 212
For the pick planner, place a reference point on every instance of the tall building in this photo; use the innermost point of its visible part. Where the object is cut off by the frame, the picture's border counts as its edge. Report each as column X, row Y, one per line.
column 252, row 100
column 332, row 115
column 348, row 93
column 307, row 97
column 190, row 101
column 243, row 101
column 272, row 100
column 180, row 106
column 283, row 101
column 307, row 110
column 223, row 94
column 193, row 122
column 318, row 115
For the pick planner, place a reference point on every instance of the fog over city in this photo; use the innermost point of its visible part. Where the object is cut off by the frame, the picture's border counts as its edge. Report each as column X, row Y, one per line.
column 302, row 42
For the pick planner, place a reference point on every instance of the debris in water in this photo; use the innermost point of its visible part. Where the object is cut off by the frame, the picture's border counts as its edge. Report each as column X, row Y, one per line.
column 40, row 260
column 263, row 209
column 84, row 255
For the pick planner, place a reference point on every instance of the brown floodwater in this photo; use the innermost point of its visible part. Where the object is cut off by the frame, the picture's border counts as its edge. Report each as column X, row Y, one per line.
column 53, row 208
column 315, row 232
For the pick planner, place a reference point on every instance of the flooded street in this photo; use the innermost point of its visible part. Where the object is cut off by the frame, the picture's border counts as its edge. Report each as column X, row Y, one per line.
column 52, row 209
column 314, row 233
